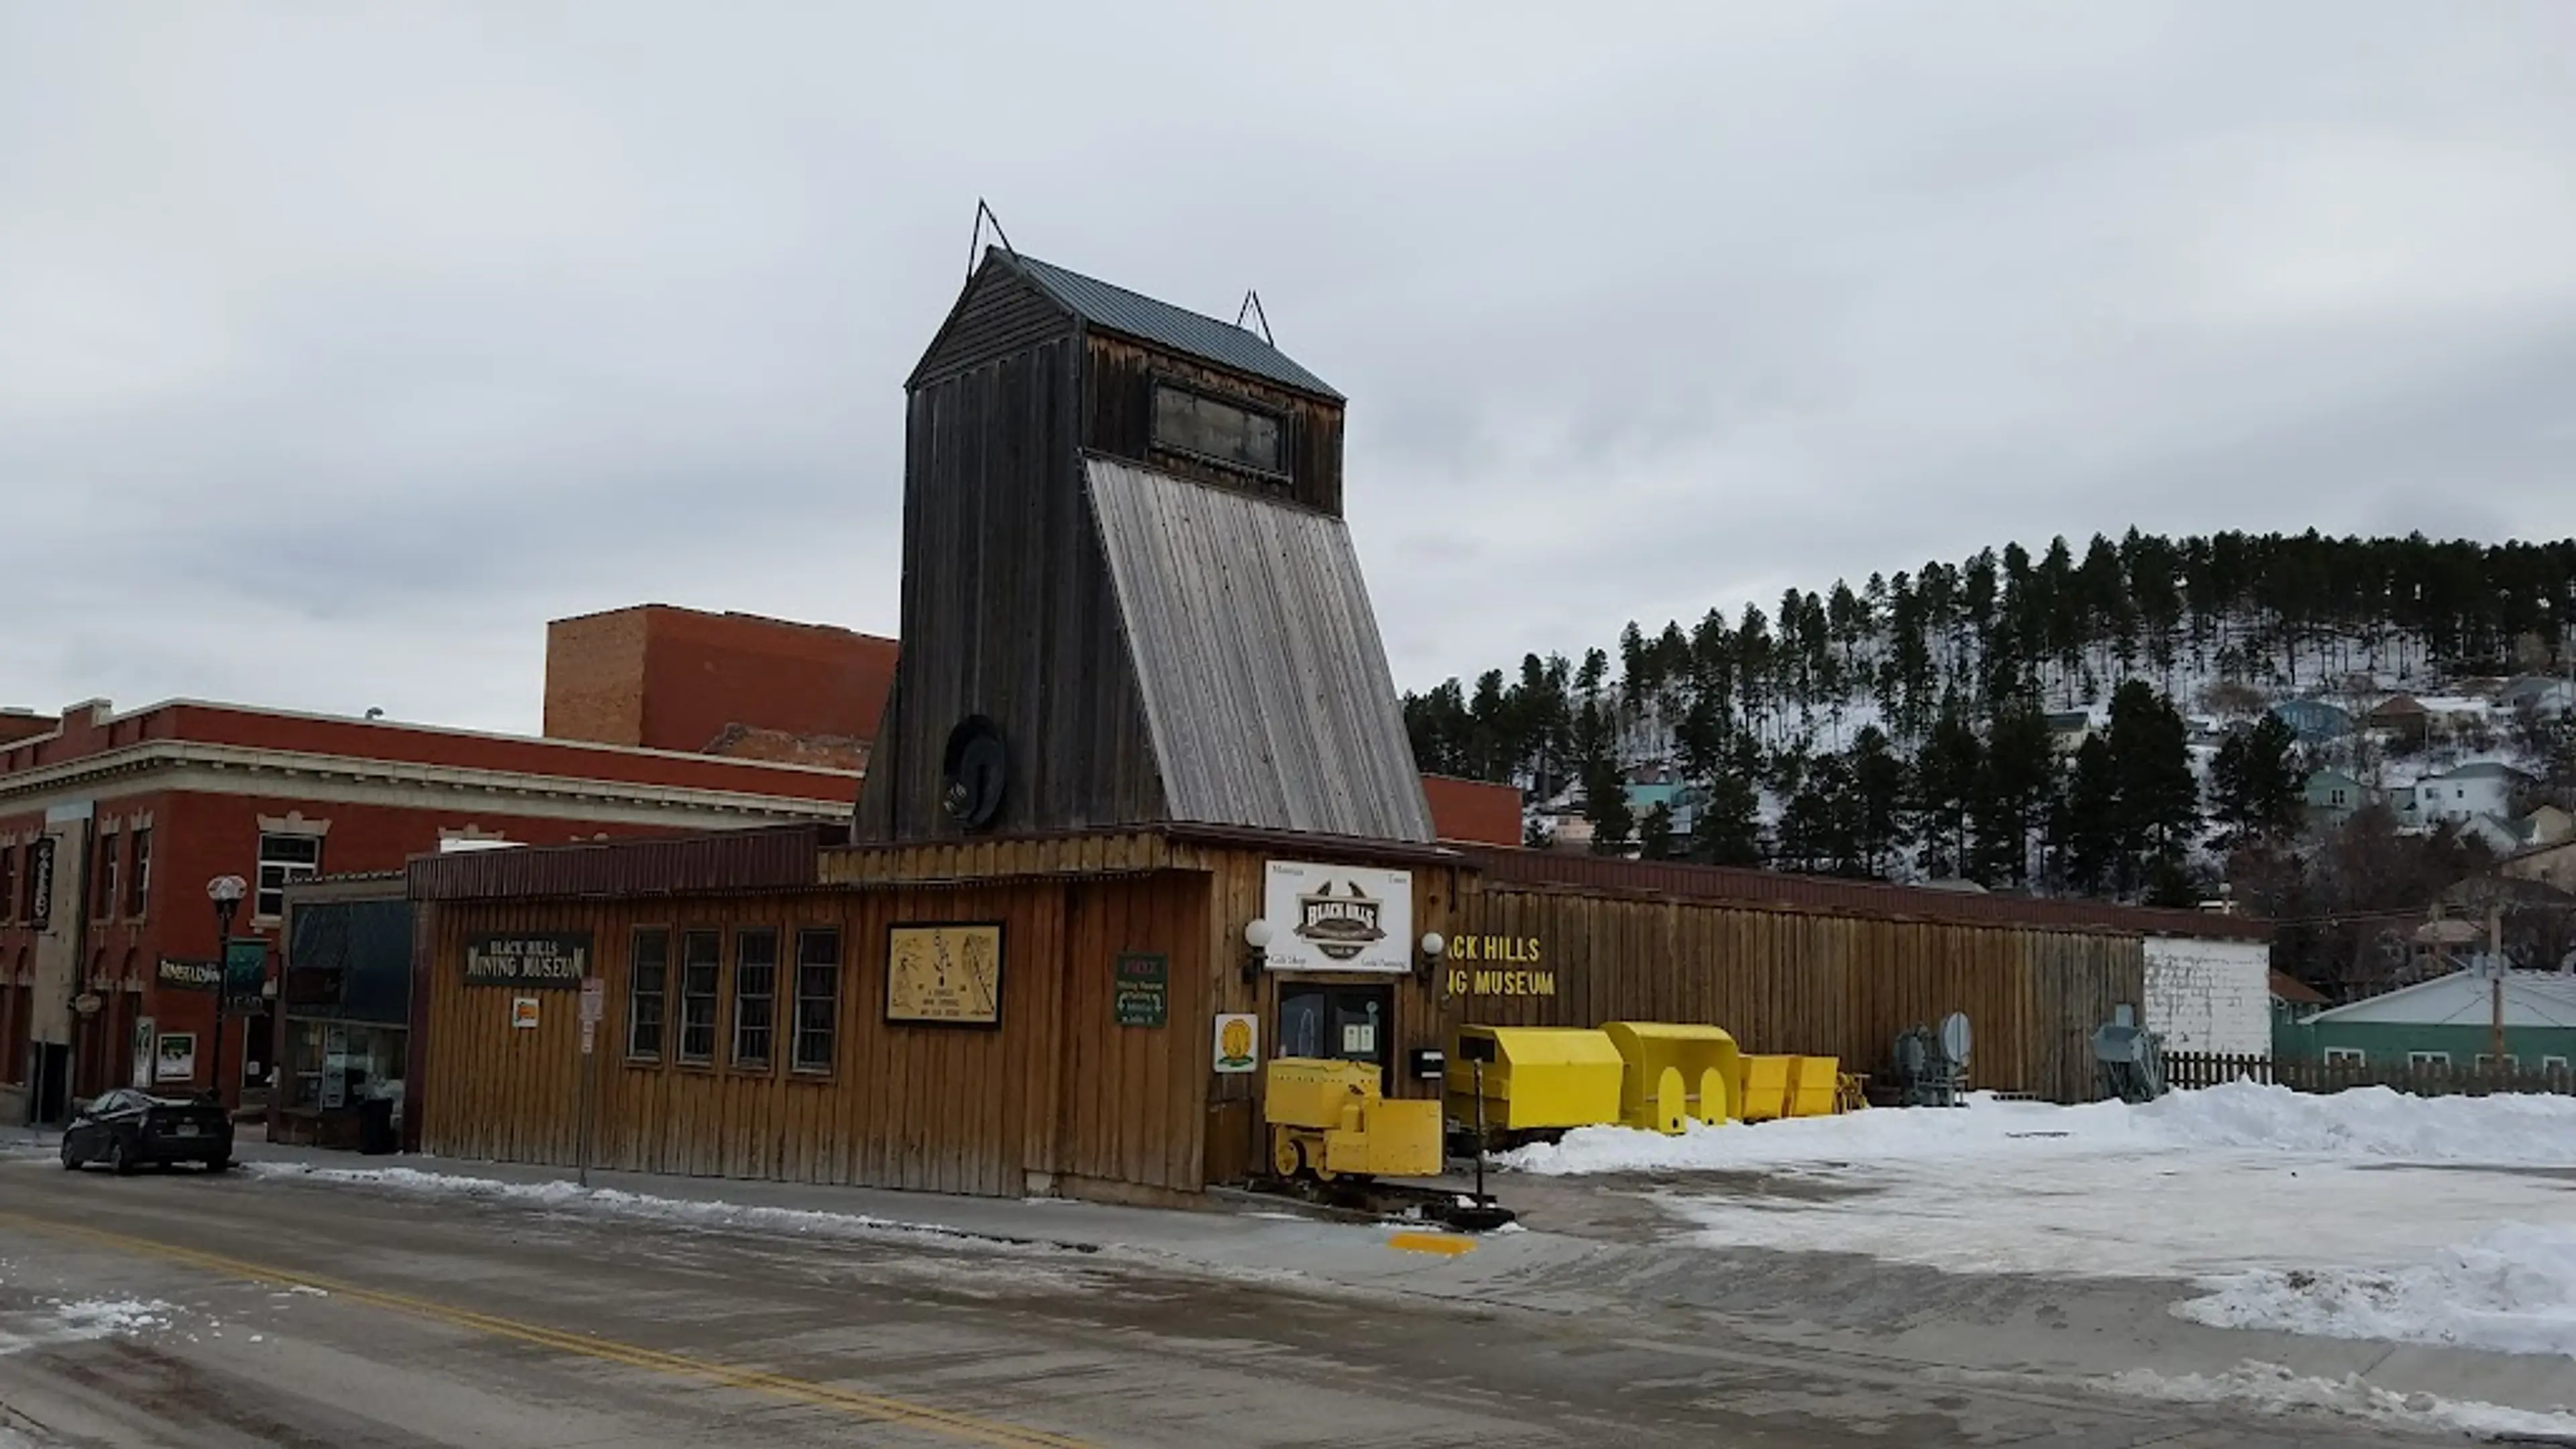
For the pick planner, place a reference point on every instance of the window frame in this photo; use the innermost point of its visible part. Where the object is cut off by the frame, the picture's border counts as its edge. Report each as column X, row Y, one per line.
column 261, row 890
column 1159, row 382
column 2553, row 1064
column 138, row 885
column 664, row 1042
column 2347, row 1057
column 798, row 999
column 2418, row 1060
column 714, row 996
column 105, row 883
column 736, row 1060
column 2487, row 1061
column 8, row 882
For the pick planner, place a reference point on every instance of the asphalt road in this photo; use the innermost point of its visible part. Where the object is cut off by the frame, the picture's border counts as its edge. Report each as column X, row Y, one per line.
column 187, row 1310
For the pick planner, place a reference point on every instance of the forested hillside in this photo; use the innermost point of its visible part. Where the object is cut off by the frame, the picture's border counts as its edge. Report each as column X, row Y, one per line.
column 1903, row 727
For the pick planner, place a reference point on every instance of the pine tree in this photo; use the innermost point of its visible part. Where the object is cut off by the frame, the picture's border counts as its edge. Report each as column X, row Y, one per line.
column 2088, row 821
column 1726, row 830
column 1945, row 787
column 1879, row 790
column 1655, row 832
column 2014, row 782
column 1605, row 805
column 2256, row 785
column 2158, row 799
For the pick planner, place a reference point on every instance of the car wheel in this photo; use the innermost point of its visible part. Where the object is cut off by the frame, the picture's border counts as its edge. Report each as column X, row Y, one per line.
column 119, row 1161
column 219, row 1164
column 71, row 1159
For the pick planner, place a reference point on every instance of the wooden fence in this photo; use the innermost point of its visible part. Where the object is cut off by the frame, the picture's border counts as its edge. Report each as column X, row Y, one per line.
column 2193, row 1069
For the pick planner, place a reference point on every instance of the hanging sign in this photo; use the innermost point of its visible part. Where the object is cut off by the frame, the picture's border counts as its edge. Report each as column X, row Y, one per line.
column 189, row 975
column 1141, row 995
column 245, row 974
column 1238, row 1042
column 549, row 962
column 40, row 884
column 523, row 1013
column 946, row 975
column 1338, row 918
column 176, row 1058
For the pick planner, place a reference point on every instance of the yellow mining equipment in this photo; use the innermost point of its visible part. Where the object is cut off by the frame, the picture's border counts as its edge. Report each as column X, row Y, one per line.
column 1535, row 1078
column 1815, row 1086
column 1766, row 1088
column 1328, row 1119
column 1676, row 1073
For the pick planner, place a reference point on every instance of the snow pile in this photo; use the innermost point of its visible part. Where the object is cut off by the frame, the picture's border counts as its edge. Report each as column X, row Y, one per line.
column 612, row 1202
column 2530, row 1130
column 2272, row 1389
column 100, row 1317
column 2512, row 1290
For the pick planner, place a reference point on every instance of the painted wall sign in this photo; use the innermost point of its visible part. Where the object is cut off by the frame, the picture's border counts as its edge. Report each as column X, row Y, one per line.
column 175, row 1059
column 1483, row 982
column 1238, row 1042
column 944, row 975
column 1142, row 990
column 40, row 883
column 189, row 975
column 523, row 1013
column 548, row 962
column 1338, row 918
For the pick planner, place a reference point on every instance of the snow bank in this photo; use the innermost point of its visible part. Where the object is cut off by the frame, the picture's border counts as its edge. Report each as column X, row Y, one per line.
column 2272, row 1389
column 615, row 1203
column 101, row 1317
column 2374, row 1122
column 2512, row 1290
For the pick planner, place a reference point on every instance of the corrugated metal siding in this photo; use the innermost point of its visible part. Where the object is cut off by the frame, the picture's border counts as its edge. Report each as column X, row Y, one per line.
column 1265, row 684
column 1118, row 310
column 1851, row 897
column 726, row 860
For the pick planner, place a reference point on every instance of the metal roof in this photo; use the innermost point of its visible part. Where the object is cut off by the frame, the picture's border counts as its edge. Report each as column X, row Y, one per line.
column 1115, row 309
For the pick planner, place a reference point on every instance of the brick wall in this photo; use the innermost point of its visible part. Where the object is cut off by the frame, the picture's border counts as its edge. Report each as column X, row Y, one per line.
column 681, row 679
column 1473, row 810
column 2209, row 996
column 595, row 678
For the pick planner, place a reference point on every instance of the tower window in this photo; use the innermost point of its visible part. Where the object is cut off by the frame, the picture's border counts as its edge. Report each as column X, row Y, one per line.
column 1219, row 431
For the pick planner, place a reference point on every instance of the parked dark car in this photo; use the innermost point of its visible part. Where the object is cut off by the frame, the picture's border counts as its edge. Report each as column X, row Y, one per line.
column 127, row 1129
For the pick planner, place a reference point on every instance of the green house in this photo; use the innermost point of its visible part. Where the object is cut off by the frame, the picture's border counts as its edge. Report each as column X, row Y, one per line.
column 2446, row 1022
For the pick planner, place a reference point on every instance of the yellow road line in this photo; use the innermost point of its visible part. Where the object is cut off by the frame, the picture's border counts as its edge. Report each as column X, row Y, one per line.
column 870, row 1406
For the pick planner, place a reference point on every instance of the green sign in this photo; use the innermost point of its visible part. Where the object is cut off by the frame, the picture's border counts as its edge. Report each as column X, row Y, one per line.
column 245, row 972
column 1143, row 994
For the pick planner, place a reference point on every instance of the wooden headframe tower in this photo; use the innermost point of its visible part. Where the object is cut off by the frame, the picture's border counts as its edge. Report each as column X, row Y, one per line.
column 1129, row 596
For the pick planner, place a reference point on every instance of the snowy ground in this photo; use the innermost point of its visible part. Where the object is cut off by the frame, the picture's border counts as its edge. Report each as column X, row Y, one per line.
column 2363, row 1215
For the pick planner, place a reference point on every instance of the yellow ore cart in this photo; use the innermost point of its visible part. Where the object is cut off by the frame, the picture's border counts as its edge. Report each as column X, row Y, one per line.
column 1535, row 1078
column 1329, row 1119
column 1676, row 1073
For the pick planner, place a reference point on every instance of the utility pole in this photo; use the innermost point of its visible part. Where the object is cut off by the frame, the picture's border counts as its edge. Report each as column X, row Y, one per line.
column 2495, row 986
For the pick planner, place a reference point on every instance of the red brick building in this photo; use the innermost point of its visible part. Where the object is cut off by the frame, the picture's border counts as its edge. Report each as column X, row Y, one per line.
column 112, row 824
column 739, row 685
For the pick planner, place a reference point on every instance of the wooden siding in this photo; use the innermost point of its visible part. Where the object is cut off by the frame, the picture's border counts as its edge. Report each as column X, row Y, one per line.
column 1814, row 983
column 1118, row 419
column 1266, row 689
column 998, row 314
column 1007, row 612
column 1057, row 1096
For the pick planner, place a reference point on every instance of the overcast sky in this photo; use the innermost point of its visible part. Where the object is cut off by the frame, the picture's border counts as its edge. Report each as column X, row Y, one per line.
column 342, row 346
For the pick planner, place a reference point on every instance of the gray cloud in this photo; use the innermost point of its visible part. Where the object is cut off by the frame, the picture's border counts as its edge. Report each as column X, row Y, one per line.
column 342, row 348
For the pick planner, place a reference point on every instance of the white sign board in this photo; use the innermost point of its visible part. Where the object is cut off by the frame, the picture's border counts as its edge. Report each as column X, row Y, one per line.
column 594, row 1000
column 175, row 1057
column 1338, row 918
column 1238, row 1042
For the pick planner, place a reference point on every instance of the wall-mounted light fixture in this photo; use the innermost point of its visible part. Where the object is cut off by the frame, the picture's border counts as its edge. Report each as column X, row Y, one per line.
column 1427, row 960
column 1256, row 947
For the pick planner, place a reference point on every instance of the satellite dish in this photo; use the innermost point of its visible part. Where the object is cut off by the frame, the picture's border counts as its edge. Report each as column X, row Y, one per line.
column 1955, row 1037
column 973, row 772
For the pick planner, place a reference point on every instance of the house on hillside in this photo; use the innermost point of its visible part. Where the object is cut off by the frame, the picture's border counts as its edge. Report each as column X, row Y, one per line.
column 2314, row 721
column 2545, row 825
column 2446, row 1022
column 2333, row 797
column 2553, row 864
column 2401, row 715
column 2463, row 794
column 2549, row 696
column 2068, row 729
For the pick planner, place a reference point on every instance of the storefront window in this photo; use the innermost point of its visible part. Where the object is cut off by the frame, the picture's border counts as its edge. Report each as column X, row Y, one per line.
column 333, row 1065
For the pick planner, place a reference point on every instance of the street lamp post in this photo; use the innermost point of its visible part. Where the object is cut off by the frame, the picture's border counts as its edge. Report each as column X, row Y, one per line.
column 226, row 891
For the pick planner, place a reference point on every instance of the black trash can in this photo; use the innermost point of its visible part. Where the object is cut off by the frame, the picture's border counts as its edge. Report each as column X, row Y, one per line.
column 376, row 1127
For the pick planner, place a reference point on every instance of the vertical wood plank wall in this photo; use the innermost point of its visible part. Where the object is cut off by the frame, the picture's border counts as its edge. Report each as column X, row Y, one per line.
column 1057, row 1096
column 1806, row 982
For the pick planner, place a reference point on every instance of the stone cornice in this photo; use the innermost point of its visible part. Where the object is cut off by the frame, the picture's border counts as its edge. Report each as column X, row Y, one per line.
column 193, row 766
